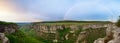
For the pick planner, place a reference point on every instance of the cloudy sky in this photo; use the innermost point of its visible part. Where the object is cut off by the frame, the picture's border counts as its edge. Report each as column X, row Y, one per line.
column 54, row 10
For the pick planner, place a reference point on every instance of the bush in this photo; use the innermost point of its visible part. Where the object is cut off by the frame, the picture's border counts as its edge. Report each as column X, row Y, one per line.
column 118, row 22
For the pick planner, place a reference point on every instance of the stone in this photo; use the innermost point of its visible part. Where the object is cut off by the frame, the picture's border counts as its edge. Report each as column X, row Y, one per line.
column 100, row 40
column 55, row 40
column 4, row 38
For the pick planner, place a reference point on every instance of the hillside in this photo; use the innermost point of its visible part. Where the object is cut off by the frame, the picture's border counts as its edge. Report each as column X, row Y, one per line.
column 66, row 31
column 10, row 33
column 54, row 32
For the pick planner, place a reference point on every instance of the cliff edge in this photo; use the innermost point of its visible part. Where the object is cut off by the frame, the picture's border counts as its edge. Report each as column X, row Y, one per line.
column 6, row 29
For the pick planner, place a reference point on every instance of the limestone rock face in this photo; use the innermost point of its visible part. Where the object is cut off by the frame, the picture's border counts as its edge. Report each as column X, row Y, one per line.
column 54, row 28
column 112, row 35
column 81, row 36
column 6, row 29
column 4, row 38
column 43, row 29
column 116, row 36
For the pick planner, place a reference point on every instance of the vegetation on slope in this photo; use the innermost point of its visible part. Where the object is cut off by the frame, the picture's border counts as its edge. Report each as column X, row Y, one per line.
column 20, row 37
column 94, row 34
column 49, row 37
column 0, row 41
column 7, row 23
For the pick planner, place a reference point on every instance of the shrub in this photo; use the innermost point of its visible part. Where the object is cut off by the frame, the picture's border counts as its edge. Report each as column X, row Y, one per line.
column 118, row 22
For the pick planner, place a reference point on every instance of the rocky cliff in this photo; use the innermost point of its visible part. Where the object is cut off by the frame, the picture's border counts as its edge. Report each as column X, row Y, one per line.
column 68, row 32
column 6, row 29
column 3, row 38
column 112, row 35
column 52, row 28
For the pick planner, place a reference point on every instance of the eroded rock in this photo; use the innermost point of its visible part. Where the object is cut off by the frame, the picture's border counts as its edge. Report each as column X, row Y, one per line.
column 112, row 35
column 3, row 38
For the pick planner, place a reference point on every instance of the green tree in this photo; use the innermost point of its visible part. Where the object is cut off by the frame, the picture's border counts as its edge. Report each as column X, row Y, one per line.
column 118, row 22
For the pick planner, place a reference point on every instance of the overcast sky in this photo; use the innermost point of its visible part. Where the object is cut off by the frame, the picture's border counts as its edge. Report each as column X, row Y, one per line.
column 52, row 10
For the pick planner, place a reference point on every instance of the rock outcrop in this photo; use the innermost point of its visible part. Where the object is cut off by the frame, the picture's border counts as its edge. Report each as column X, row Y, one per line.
column 6, row 29
column 51, row 28
column 112, row 35
column 81, row 36
column 3, row 38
